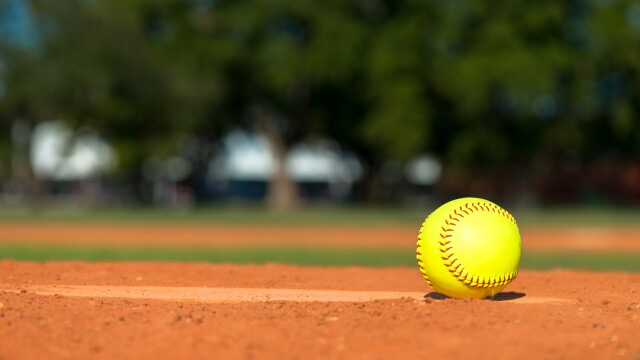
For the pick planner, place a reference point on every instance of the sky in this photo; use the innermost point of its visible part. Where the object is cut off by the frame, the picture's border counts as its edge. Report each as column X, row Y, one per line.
column 15, row 22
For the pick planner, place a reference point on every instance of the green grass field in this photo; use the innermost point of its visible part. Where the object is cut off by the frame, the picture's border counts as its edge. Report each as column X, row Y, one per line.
column 300, row 256
column 304, row 256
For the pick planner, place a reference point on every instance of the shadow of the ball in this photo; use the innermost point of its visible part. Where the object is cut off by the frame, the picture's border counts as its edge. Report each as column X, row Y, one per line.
column 503, row 296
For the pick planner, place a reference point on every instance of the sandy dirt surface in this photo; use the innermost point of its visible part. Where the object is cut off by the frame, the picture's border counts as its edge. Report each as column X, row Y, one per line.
column 172, row 310
column 594, row 239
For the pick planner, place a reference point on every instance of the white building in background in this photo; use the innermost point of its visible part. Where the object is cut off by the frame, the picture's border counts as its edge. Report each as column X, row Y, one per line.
column 58, row 154
column 423, row 170
column 247, row 157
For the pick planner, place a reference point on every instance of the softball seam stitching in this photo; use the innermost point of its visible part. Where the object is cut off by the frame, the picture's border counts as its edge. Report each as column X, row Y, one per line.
column 448, row 255
column 419, row 254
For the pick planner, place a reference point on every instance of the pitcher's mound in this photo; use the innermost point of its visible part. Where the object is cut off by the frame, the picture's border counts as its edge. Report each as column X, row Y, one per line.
column 174, row 310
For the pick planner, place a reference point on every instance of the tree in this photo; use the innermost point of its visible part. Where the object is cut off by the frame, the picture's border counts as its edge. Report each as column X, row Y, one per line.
column 288, row 70
column 489, row 89
column 108, row 66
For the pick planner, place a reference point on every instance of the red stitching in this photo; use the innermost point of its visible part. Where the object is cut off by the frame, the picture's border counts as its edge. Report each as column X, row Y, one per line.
column 451, row 262
column 455, row 266
column 419, row 254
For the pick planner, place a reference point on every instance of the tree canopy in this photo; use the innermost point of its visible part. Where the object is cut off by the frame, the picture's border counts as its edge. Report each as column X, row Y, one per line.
column 478, row 84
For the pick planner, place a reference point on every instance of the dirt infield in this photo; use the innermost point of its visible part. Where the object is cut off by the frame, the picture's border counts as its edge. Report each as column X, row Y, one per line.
column 140, row 310
column 388, row 236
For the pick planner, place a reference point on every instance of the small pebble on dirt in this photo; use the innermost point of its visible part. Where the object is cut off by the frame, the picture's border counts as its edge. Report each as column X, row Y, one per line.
column 592, row 345
column 606, row 302
column 1, row 305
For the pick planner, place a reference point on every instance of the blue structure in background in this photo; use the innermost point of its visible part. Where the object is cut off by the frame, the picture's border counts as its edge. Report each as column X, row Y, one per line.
column 16, row 26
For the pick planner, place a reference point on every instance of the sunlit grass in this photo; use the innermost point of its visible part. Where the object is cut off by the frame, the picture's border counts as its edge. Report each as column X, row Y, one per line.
column 300, row 256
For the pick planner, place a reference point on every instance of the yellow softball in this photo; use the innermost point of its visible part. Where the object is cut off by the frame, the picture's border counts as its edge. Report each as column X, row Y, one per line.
column 469, row 248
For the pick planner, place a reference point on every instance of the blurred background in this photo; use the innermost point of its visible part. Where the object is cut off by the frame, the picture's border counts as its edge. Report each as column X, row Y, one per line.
column 182, row 103
column 316, row 132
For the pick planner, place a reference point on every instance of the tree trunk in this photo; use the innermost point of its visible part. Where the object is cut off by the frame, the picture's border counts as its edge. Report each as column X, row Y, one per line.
column 282, row 193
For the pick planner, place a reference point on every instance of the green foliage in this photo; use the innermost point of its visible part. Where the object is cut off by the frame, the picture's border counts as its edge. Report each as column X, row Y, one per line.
column 397, row 123
column 473, row 82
